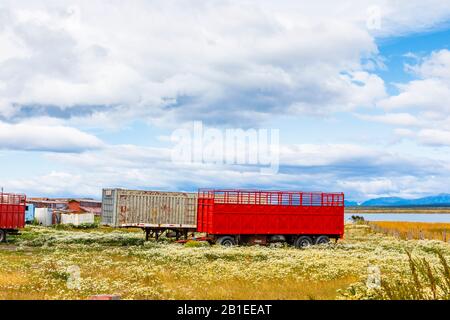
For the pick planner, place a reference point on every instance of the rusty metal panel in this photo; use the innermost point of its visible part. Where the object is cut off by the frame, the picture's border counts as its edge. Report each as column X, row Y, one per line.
column 122, row 207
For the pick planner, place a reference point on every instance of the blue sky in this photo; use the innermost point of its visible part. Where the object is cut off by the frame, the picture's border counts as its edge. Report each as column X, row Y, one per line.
column 90, row 94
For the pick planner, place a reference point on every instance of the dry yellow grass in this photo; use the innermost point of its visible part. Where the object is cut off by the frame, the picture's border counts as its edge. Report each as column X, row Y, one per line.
column 24, row 281
column 36, row 265
column 289, row 288
column 414, row 230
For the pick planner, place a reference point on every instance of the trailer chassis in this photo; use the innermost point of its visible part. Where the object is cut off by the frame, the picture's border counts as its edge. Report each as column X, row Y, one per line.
column 5, row 232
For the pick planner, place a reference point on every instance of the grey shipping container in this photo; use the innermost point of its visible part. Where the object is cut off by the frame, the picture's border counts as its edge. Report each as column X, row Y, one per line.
column 149, row 209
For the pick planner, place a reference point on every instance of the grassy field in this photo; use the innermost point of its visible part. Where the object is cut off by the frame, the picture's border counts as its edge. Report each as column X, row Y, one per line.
column 46, row 263
column 413, row 230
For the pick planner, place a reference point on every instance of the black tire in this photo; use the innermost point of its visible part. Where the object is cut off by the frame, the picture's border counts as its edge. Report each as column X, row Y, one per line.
column 226, row 241
column 303, row 242
column 322, row 240
column 2, row 235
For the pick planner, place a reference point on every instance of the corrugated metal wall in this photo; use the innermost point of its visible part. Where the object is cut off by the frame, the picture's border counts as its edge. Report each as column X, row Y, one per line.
column 109, row 204
column 128, row 207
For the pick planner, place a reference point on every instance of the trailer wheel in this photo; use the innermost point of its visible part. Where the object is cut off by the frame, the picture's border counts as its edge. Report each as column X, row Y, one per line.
column 2, row 235
column 303, row 242
column 322, row 240
column 226, row 241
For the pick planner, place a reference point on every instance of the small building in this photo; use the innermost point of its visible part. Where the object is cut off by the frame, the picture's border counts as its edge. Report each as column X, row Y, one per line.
column 77, row 218
column 55, row 204
column 44, row 216
column 71, row 205
column 29, row 213
column 85, row 206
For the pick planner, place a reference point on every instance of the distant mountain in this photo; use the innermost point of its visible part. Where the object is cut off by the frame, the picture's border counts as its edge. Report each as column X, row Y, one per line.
column 385, row 201
column 439, row 200
column 350, row 203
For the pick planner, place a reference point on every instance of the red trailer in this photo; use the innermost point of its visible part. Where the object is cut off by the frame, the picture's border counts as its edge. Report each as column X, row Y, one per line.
column 12, row 213
column 244, row 216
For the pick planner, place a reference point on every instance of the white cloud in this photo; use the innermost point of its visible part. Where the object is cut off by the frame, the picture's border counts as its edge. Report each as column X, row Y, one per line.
column 407, row 186
column 359, row 171
column 434, row 137
column 429, row 93
column 405, row 133
column 427, row 100
column 437, row 66
column 426, row 137
column 401, row 119
column 66, row 66
column 165, row 60
column 324, row 154
column 33, row 137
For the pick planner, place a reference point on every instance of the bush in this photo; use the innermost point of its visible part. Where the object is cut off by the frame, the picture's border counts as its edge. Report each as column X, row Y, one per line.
column 65, row 237
column 70, row 226
column 196, row 244
column 357, row 219
column 423, row 282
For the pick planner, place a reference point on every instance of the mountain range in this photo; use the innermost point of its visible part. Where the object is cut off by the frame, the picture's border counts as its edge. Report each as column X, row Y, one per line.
column 437, row 200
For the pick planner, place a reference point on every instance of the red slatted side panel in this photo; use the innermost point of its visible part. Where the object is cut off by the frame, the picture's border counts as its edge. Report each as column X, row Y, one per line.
column 271, row 212
column 12, row 211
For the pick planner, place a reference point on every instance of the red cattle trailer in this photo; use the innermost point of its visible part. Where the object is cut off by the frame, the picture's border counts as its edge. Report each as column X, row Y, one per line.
column 12, row 213
column 243, row 216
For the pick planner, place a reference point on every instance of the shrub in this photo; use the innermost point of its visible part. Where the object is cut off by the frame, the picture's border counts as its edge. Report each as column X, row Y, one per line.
column 70, row 226
column 196, row 244
column 423, row 282
column 357, row 219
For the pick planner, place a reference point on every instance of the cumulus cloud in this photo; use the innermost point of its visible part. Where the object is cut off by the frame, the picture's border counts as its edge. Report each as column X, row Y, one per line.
column 401, row 119
column 220, row 62
column 408, row 186
column 429, row 93
column 426, row 98
column 67, row 65
column 33, row 137
column 434, row 137
column 359, row 171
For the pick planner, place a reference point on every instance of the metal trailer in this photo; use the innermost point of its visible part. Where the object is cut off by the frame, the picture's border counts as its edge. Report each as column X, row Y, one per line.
column 12, row 213
column 155, row 212
column 231, row 217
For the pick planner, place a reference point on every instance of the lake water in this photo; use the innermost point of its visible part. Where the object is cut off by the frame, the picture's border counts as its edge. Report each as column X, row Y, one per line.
column 407, row 217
